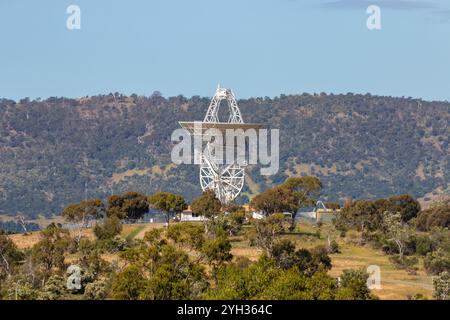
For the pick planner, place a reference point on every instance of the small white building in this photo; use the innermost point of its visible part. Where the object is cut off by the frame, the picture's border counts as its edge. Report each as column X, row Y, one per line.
column 188, row 216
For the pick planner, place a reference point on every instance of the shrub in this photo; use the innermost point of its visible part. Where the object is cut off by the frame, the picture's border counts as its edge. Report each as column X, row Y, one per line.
column 422, row 245
column 54, row 289
column 109, row 229
column 442, row 286
column 334, row 247
column 434, row 217
column 96, row 290
column 407, row 263
column 115, row 244
column 129, row 284
column 20, row 289
column 437, row 262
column 353, row 285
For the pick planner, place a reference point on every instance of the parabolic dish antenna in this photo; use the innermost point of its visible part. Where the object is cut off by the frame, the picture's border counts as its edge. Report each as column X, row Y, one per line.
column 226, row 179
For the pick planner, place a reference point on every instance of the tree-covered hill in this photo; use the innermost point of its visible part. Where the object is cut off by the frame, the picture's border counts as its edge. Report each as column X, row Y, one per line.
column 361, row 146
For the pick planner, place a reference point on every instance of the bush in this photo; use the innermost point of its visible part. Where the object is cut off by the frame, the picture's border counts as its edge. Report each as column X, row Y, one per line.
column 353, row 285
column 417, row 296
column 442, row 286
column 115, row 244
column 434, row 217
column 96, row 290
column 334, row 247
column 437, row 262
column 407, row 263
column 20, row 289
column 54, row 289
column 109, row 229
column 129, row 284
column 422, row 245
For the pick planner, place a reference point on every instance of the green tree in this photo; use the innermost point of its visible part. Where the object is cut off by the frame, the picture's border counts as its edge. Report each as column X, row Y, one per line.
column 169, row 203
column 266, row 232
column 321, row 286
column 217, row 251
column 353, row 285
column 208, row 206
column 168, row 273
column 128, row 284
column 83, row 212
column 269, row 201
column 362, row 215
column 107, row 230
column 436, row 216
column 190, row 234
column 130, row 206
column 305, row 192
column 10, row 257
column 312, row 261
column 48, row 253
column 235, row 218
column 290, row 285
column 405, row 205
column 437, row 262
column 396, row 231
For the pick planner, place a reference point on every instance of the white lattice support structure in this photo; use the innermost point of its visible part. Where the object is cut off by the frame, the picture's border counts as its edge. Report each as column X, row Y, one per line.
column 223, row 94
column 226, row 179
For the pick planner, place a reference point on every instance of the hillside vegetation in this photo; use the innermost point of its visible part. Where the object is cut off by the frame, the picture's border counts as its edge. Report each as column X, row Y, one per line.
column 360, row 146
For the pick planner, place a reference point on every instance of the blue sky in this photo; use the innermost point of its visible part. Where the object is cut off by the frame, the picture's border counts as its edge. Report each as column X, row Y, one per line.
column 255, row 47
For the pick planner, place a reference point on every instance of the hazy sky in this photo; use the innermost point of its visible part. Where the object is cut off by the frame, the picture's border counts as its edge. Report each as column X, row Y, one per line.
column 255, row 47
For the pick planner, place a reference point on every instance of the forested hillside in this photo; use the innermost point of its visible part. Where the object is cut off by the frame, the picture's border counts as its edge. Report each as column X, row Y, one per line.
column 361, row 146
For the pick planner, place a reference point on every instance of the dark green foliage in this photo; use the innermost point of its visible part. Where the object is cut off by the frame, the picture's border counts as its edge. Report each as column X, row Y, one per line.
column 312, row 261
column 334, row 247
column 437, row 262
column 407, row 263
column 49, row 252
column 307, row 261
column 175, row 277
column 217, row 251
column 128, row 284
column 108, row 229
column 264, row 280
column 190, row 234
column 97, row 290
column 10, row 257
column 353, row 285
column 367, row 215
column 130, row 206
column 438, row 216
column 422, row 244
column 206, row 205
column 159, row 272
column 407, row 206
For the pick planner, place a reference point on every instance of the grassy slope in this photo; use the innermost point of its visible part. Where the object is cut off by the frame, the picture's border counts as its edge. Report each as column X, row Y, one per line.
column 396, row 284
